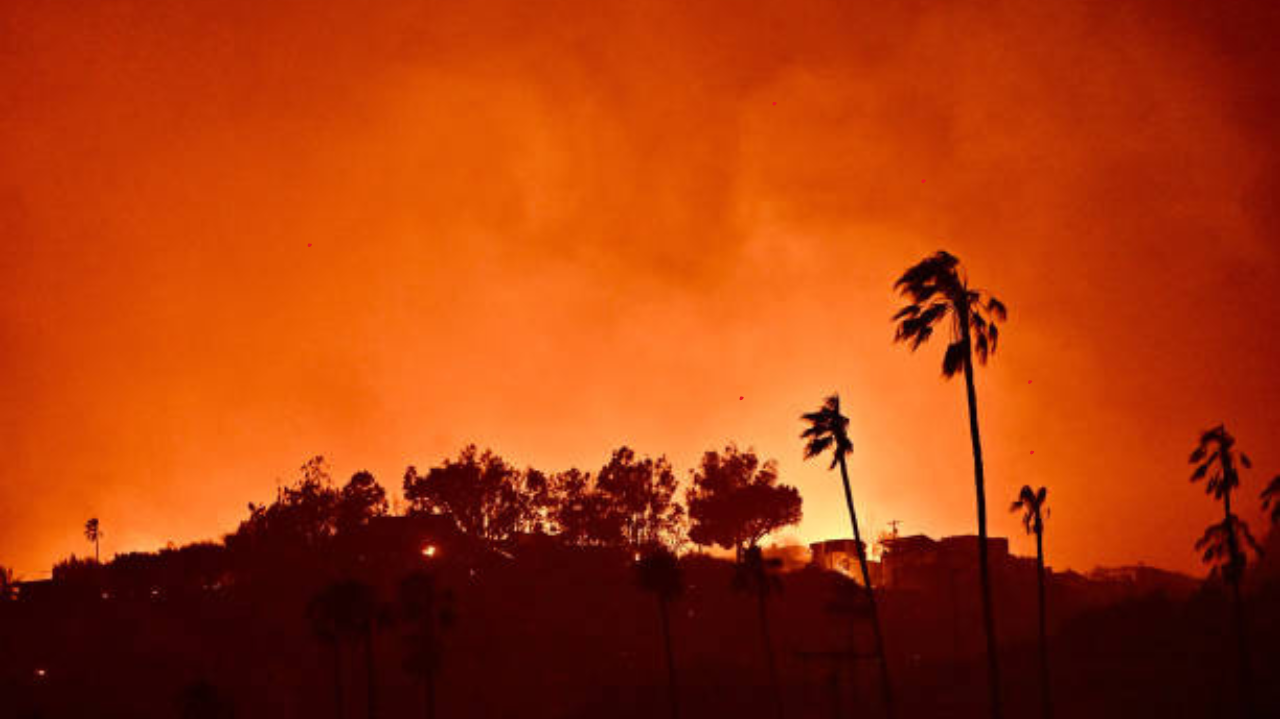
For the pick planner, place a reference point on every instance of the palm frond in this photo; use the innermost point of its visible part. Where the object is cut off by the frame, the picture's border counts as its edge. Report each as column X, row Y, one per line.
column 1032, row 502
column 953, row 359
column 927, row 272
column 1271, row 498
column 997, row 309
column 827, row 429
column 817, row 446
column 908, row 311
column 980, row 346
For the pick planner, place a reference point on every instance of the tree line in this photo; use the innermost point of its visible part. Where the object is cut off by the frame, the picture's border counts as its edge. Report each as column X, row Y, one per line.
column 734, row 500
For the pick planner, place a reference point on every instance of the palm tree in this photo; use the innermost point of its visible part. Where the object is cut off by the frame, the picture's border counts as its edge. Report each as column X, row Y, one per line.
column 828, row 429
column 1271, row 499
column 1031, row 502
column 422, row 601
column 345, row 609
column 938, row 291
column 1218, row 461
column 754, row 574
column 658, row 571
column 328, row 617
column 93, row 532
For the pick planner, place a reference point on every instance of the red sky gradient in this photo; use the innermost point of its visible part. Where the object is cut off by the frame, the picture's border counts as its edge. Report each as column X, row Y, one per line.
column 237, row 234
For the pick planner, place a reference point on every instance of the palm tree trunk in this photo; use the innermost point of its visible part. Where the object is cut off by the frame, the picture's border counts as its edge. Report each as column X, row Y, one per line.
column 371, row 676
column 671, row 662
column 1237, row 614
column 429, row 692
column 984, row 570
column 768, row 652
column 338, row 702
column 1046, row 706
column 886, row 686
column 429, row 653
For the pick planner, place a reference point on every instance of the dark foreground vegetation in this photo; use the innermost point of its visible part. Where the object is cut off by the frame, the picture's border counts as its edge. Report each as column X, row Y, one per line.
column 569, row 632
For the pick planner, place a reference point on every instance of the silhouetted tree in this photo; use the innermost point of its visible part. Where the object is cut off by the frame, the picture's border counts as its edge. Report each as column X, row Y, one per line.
column 359, row 501
column 658, row 572
column 735, row 501
column 8, row 585
column 939, row 293
column 1271, row 499
column 756, row 575
column 1031, row 503
column 93, row 532
column 202, row 700
column 346, row 610
column 641, row 492
column 537, row 496
column 303, row 515
column 429, row 609
column 478, row 490
column 582, row 514
column 829, row 430
column 1217, row 461
column 84, row 574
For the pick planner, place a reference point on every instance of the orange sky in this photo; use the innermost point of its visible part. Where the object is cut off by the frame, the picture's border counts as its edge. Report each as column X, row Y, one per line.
column 237, row 236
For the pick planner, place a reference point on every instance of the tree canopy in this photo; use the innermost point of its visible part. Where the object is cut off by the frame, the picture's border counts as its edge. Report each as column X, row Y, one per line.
column 736, row 500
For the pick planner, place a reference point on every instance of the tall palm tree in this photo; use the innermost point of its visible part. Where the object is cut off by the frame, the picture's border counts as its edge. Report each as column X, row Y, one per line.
column 755, row 575
column 93, row 532
column 346, row 610
column 1031, row 502
column 658, row 571
column 424, row 603
column 938, row 292
column 829, row 429
column 1218, row 461
column 327, row 618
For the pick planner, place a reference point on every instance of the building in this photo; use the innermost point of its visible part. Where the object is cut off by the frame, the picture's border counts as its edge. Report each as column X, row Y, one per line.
column 922, row 563
column 841, row 555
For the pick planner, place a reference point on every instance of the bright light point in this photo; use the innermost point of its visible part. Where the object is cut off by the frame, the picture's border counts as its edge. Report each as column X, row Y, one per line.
column 41, row 673
column 429, row 550
column 637, row 556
